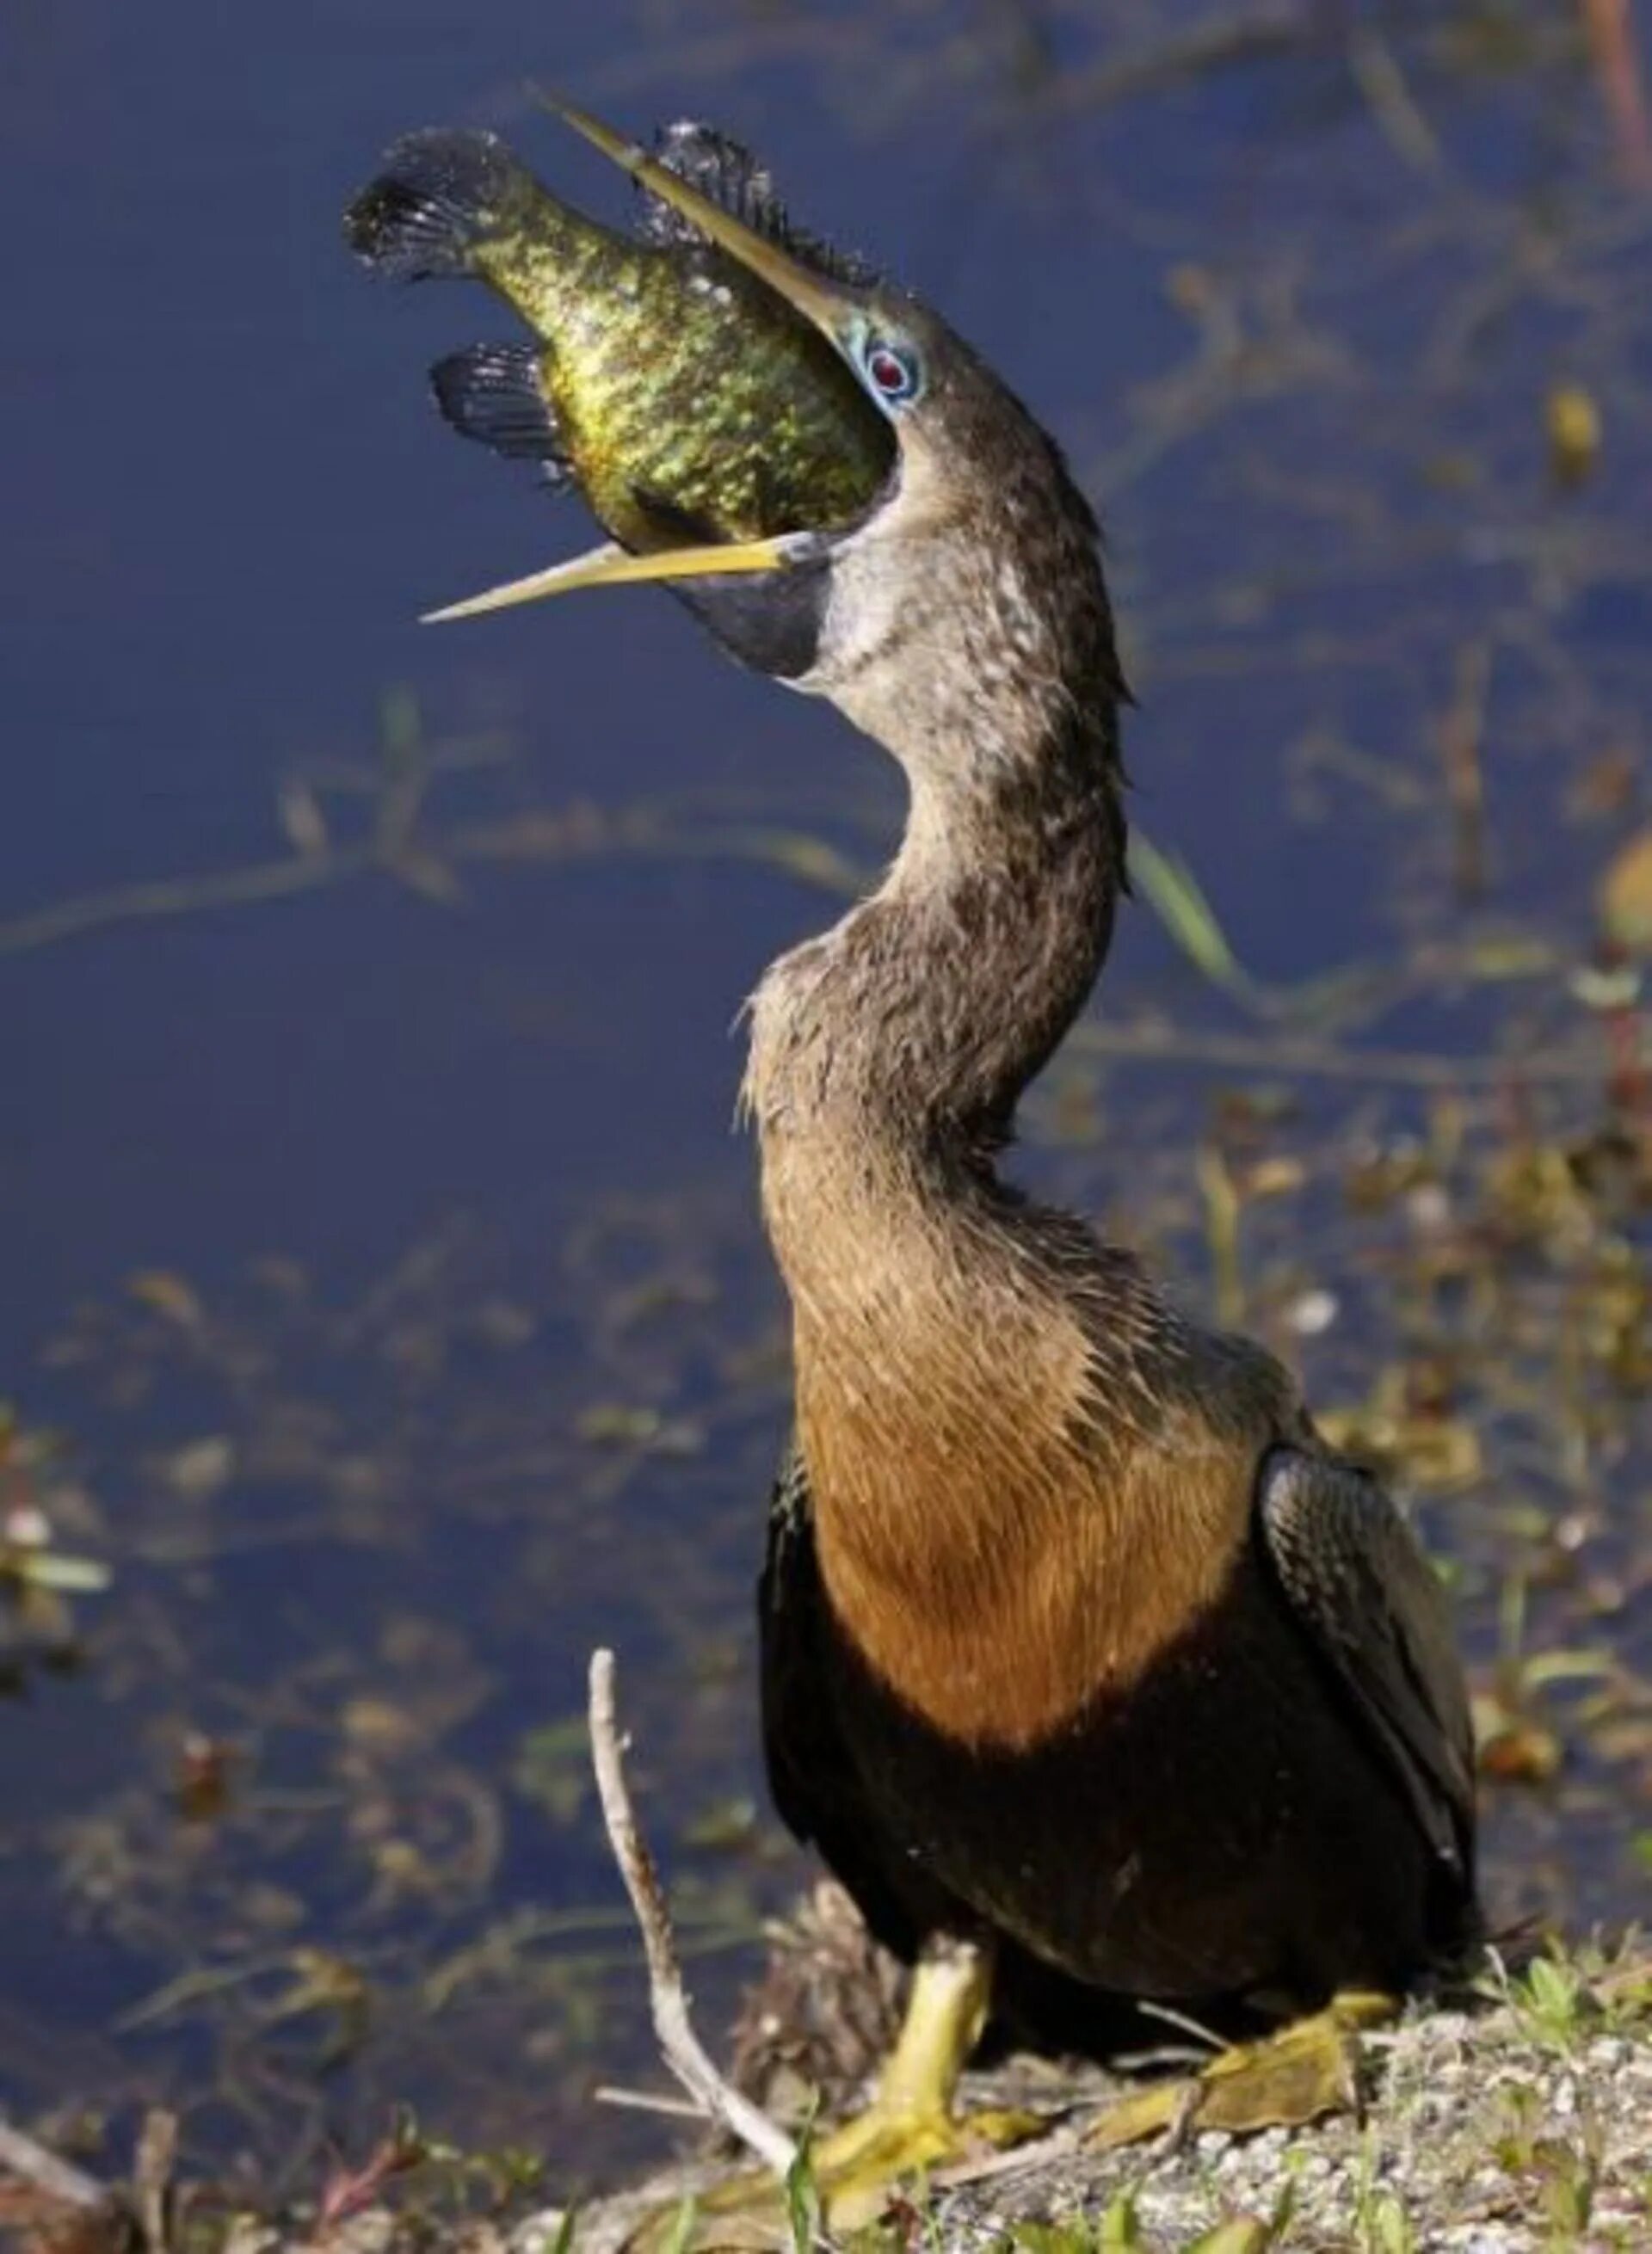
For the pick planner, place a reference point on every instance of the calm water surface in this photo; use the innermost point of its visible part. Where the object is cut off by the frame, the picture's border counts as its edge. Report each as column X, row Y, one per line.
column 382, row 1247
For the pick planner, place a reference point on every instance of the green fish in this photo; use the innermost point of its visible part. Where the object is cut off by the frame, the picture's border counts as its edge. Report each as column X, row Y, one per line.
column 688, row 401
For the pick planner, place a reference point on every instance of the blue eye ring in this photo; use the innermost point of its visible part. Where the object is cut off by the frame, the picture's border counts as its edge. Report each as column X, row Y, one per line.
column 892, row 372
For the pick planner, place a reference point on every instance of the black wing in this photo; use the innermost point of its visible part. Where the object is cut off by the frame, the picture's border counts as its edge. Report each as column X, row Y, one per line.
column 811, row 1771
column 1356, row 1581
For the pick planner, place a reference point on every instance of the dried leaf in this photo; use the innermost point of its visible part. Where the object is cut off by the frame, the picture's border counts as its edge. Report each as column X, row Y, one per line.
column 1623, row 899
column 52, row 1570
column 1573, row 421
column 167, row 1294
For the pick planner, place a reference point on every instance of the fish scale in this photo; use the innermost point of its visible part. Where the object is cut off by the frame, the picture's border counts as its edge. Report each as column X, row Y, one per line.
column 685, row 399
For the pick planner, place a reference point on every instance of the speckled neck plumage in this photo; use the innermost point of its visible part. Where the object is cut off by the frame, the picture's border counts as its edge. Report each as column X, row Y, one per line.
column 916, row 1023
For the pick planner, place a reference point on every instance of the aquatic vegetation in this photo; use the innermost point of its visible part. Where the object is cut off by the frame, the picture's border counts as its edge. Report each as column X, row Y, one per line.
column 36, row 1576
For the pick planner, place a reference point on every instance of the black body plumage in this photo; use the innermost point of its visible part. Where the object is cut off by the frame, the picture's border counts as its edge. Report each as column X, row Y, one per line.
column 1246, row 1832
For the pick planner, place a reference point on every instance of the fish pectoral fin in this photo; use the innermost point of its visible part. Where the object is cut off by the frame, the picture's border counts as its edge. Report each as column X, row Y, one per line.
column 613, row 566
column 495, row 394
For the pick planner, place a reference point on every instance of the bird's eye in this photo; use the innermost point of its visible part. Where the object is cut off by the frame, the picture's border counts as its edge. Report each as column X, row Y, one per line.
column 893, row 372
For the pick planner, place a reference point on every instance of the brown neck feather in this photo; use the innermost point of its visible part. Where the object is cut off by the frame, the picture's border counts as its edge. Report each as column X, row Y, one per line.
column 920, row 1018
column 987, row 1398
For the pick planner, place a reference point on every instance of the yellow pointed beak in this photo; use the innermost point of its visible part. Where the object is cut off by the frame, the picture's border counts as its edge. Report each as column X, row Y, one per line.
column 612, row 566
column 813, row 296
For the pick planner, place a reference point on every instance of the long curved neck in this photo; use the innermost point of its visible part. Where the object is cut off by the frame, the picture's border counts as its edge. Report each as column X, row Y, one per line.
column 903, row 1038
column 947, row 1381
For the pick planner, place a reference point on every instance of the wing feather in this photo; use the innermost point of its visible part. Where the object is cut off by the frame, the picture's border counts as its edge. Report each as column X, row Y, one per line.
column 1356, row 1581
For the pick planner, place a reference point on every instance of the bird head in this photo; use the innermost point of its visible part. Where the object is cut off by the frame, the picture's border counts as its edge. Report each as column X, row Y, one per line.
column 973, row 578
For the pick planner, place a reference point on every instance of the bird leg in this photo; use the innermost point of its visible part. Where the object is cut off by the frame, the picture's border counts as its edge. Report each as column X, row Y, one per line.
column 910, row 2124
column 1303, row 2070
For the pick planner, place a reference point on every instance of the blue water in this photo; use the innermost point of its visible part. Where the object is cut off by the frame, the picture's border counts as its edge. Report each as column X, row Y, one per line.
column 227, row 499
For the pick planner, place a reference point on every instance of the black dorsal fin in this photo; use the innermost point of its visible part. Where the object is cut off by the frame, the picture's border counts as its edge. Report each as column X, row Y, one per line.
column 723, row 169
column 726, row 170
column 496, row 395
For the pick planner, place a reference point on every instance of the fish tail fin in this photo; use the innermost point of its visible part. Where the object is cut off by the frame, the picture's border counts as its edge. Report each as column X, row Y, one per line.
column 441, row 195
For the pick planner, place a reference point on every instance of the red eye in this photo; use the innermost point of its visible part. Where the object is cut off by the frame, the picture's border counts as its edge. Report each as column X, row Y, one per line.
column 892, row 372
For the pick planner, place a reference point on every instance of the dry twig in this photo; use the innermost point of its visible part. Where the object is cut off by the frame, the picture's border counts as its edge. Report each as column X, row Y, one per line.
column 679, row 2045
column 152, row 2179
column 1610, row 26
column 1461, row 736
column 21, row 2156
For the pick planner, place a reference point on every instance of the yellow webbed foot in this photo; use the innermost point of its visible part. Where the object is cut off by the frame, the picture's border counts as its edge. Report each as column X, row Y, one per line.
column 909, row 2128
column 860, row 2165
column 1306, row 2070
column 855, row 2173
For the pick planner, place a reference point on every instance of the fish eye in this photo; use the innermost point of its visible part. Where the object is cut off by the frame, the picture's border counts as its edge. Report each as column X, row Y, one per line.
column 891, row 371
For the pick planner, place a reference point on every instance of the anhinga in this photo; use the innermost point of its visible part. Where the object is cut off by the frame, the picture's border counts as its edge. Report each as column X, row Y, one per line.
column 1080, row 1646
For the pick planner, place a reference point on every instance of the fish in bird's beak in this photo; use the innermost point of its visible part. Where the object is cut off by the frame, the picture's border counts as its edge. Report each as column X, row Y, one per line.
column 838, row 311
column 688, row 400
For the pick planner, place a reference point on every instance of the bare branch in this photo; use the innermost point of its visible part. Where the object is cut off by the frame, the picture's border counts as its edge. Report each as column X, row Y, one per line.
column 679, row 2045
column 21, row 2156
column 647, row 2101
column 152, row 2179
